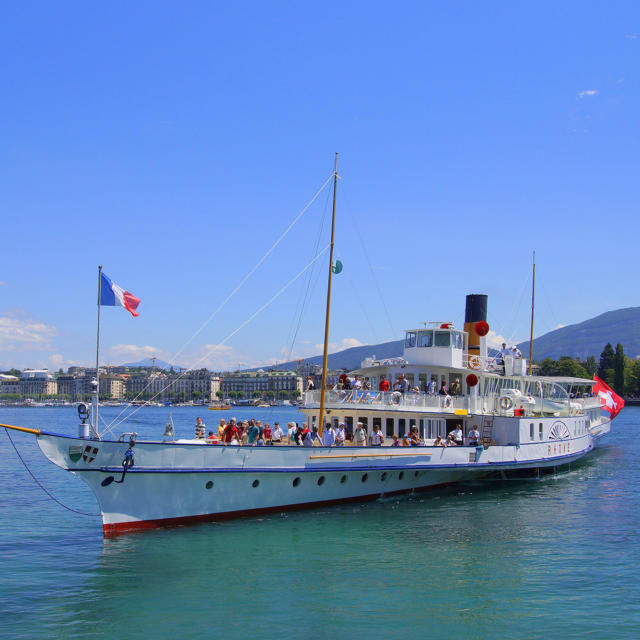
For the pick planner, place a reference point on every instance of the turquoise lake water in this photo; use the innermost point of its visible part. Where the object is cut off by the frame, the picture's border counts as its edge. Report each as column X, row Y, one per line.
column 555, row 558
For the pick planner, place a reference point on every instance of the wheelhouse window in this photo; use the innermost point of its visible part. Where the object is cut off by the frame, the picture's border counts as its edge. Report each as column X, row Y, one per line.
column 443, row 339
column 425, row 339
column 410, row 340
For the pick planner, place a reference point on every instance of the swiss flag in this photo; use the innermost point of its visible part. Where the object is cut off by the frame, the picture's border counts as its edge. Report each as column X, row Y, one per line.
column 609, row 400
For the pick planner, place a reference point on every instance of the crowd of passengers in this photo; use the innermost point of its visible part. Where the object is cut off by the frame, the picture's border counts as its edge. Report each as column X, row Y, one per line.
column 254, row 433
column 401, row 385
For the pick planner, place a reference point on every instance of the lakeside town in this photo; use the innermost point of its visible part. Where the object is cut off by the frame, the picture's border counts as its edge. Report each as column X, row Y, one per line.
column 118, row 384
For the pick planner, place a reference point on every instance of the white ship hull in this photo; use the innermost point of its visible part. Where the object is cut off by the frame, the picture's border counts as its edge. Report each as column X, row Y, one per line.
column 174, row 483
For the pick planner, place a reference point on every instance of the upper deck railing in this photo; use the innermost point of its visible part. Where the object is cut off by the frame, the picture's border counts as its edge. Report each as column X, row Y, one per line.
column 392, row 399
column 558, row 403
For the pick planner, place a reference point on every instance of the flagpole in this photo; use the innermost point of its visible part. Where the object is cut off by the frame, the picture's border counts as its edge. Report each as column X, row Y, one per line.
column 96, row 393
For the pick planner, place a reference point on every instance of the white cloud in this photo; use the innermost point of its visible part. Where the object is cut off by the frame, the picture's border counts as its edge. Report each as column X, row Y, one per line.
column 134, row 352
column 587, row 93
column 346, row 343
column 631, row 36
column 559, row 327
column 2, row 283
column 20, row 332
column 495, row 340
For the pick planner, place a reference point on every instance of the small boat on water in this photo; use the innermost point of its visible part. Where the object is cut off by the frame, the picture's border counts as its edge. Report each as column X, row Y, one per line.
column 507, row 423
column 219, row 407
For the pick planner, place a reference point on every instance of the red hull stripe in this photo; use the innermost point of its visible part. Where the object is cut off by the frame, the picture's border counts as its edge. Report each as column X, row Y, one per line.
column 118, row 528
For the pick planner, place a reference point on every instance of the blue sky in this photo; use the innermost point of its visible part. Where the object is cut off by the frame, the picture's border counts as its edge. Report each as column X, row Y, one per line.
column 173, row 143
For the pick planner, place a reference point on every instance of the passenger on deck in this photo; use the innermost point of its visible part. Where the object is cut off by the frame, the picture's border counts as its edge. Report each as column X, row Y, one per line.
column 231, row 433
column 439, row 442
column 340, row 435
column 431, row 387
column 405, row 440
column 329, row 435
column 266, row 433
column 474, row 436
column 221, row 428
column 310, row 384
column 292, row 427
column 252, row 433
column 276, row 434
column 344, row 380
column 310, row 437
column 366, row 384
column 516, row 353
column 200, row 429
column 450, row 442
column 360, row 436
column 457, row 434
column 396, row 441
column 443, row 389
column 414, row 438
column 404, row 383
column 455, row 388
column 384, row 384
column 376, row 438
column 212, row 438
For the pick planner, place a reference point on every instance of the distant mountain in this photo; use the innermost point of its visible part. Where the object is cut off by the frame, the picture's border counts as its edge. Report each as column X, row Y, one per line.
column 589, row 338
column 160, row 364
column 577, row 341
column 351, row 358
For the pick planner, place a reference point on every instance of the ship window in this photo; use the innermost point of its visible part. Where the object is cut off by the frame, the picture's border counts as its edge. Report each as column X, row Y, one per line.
column 365, row 477
column 532, row 431
column 209, row 485
column 390, row 425
column 456, row 340
column 255, row 483
column 343, row 479
column 401, row 475
column 320, row 481
column 364, row 422
column 296, row 482
column 383, row 476
column 402, row 426
column 540, row 431
column 377, row 423
column 443, row 339
column 425, row 339
column 410, row 340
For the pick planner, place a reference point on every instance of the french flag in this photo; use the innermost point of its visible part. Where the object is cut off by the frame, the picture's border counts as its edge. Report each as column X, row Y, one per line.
column 111, row 295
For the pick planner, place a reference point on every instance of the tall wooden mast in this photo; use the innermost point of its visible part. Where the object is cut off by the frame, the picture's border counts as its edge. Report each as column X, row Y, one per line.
column 325, row 354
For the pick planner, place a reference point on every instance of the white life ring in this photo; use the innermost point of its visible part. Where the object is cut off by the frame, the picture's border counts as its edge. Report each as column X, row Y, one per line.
column 505, row 403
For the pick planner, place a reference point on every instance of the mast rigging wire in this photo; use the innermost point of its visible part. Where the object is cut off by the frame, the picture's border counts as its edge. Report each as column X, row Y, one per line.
column 237, row 288
column 228, row 337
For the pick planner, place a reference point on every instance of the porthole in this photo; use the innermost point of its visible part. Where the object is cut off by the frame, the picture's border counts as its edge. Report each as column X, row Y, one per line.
column 401, row 475
column 365, row 476
column 383, row 476
column 343, row 479
column 416, row 474
column 320, row 481
column 209, row 485
column 255, row 483
column 296, row 482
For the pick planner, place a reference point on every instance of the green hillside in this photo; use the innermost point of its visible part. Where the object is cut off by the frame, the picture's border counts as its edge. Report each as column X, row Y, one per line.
column 588, row 338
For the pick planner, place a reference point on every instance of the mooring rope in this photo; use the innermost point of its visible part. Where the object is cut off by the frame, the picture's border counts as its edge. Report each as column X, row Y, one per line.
column 82, row 513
